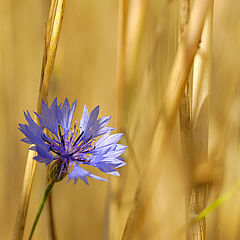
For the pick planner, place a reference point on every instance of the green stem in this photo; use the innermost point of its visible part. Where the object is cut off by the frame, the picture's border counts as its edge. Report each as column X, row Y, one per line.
column 218, row 202
column 47, row 191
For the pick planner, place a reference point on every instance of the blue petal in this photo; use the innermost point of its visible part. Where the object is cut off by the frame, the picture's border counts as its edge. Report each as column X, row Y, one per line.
column 33, row 135
column 101, row 131
column 67, row 115
column 26, row 140
column 108, row 144
column 118, row 151
column 102, row 122
column 71, row 113
column 87, row 122
column 84, row 119
column 103, row 150
column 78, row 172
column 107, row 140
column 91, row 126
column 44, row 156
column 108, row 160
column 98, row 128
column 108, row 168
column 120, row 158
column 50, row 118
column 102, row 139
column 92, row 117
column 32, row 131
column 107, row 163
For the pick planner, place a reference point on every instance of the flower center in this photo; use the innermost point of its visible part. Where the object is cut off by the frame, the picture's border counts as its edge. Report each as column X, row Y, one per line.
column 71, row 147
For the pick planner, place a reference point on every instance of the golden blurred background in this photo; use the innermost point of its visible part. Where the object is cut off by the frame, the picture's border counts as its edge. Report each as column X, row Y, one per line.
column 86, row 68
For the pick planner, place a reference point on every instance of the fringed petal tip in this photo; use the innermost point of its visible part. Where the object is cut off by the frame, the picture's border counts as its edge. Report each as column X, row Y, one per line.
column 80, row 173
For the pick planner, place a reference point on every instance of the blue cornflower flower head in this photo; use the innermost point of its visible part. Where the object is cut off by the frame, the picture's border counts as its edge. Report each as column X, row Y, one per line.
column 90, row 143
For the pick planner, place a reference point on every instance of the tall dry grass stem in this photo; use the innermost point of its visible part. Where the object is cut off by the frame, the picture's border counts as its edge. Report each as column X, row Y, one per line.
column 129, row 37
column 137, row 10
column 200, row 121
column 145, row 90
column 53, row 32
column 121, row 57
column 185, row 111
column 178, row 79
column 111, row 208
column 185, row 103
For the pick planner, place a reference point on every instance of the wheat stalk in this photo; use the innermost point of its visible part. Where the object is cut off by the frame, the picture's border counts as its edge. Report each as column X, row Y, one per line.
column 178, row 79
column 111, row 209
column 137, row 10
column 185, row 108
column 129, row 37
column 200, row 121
column 121, row 53
column 53, row 32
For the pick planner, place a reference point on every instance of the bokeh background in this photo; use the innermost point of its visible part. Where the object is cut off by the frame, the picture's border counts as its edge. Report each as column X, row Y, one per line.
column 86, row 70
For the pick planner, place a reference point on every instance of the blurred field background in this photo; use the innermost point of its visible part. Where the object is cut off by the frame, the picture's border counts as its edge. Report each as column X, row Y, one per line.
column 86, row 69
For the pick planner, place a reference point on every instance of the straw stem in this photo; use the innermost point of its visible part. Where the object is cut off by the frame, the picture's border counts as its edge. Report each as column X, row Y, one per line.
column 178, row 79
column 55, row 15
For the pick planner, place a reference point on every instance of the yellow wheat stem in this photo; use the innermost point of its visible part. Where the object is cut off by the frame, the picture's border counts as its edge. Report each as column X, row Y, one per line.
column 52, row 50
column 185, row 110
column 178, row 79
column 137, row 10
column 200, row 122
column 45, row 82
column 129, row 37
column 185, row 104
column 111, row 208
column 121, row 53
column 48, row 33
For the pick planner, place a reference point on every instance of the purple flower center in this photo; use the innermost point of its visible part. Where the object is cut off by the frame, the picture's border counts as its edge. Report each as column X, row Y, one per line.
column 71, row 146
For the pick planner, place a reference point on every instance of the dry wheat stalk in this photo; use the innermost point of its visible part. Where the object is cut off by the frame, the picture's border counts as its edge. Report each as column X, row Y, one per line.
column 130, row 31
column 111, row 209
column 121, row 53
column 178, row 78
column 56, row 16
column 185, row 108
column 194, row 111
column 137, row 10
column 200, row 121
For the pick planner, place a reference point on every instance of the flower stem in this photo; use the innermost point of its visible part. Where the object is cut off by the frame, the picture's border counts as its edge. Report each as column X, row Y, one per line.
column 223, row 198
column 46, row 193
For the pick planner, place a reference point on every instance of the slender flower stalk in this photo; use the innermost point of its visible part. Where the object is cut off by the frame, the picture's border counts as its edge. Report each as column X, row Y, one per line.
column 45, row 195
column 55, row 175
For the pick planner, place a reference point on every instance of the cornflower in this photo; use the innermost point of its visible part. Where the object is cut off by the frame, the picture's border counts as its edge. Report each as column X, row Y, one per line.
column 67, row 148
